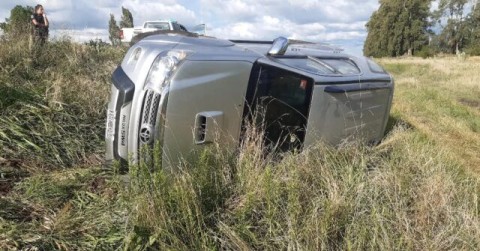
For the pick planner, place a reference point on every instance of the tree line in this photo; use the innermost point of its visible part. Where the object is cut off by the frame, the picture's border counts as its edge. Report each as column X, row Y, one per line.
column 397, row 28
column 413, row 27
column 126, row 21
column 19, row 23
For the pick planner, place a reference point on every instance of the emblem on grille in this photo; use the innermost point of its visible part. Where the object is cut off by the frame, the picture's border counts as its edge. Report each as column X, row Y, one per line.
column 146, row 134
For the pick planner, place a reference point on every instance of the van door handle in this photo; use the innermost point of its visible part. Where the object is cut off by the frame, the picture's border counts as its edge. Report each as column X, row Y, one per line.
column 207, row 126
column 356, row 88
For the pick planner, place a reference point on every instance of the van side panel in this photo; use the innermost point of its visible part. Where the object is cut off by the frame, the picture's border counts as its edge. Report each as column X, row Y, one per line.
column 204, row 92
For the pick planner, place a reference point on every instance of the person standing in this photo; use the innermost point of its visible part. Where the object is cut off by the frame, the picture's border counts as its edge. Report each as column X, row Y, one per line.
column 40, row 22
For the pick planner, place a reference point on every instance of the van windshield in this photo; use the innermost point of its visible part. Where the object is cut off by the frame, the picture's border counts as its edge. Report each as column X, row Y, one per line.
column 322, row 66
column 343, row 66
column 308, row 65
column 158, row 25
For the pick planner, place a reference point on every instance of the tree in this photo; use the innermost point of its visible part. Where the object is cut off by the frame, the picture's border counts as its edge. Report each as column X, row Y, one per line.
column 19, row 22
column 397, row 28
column 472, row 30
column 127, row 19
column 455, row 31
column 114, row 31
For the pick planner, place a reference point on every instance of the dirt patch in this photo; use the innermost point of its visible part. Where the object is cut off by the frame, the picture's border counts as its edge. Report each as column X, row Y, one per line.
column 97, row 185
column 16, row 210
column 5, row 187
column 9, row 175
column 93, row 160
column 394, row 122
column 470, row 102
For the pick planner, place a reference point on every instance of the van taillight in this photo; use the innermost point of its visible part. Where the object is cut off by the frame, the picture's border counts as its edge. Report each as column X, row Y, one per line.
column 121, row 34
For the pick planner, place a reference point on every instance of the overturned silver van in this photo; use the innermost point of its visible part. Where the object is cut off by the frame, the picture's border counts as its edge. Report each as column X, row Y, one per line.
column 184, row 93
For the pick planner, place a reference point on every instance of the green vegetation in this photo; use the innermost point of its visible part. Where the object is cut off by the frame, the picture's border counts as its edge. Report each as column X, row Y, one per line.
column 19, row 21
column 412, row 27
column 418, row 190
column 398, row 28
column 114, row 31
column 458, row 25
column 440, row 98
column 126, row 21
column 52, row 102
column 127, row 18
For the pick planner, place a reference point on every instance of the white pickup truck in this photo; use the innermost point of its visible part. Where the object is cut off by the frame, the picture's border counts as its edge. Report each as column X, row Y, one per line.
column 127, row 34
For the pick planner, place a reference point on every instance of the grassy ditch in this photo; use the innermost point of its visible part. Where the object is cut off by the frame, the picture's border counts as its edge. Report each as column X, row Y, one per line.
column 418, row 190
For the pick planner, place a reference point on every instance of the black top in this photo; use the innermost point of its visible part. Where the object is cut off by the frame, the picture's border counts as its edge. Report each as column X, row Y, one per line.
column 40, row 20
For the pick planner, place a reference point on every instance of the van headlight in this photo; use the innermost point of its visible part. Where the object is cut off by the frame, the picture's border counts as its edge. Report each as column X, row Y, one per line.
column 162, row 69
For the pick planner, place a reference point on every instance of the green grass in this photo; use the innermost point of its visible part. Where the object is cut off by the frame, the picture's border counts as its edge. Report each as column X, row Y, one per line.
column 52, row 104
column 440, row 97
column 417, row 190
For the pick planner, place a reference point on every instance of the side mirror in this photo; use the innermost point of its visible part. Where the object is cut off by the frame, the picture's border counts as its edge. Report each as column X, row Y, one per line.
column 279, row 47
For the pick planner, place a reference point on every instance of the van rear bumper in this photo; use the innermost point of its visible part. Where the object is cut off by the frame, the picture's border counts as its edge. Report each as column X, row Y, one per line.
column 116, row 130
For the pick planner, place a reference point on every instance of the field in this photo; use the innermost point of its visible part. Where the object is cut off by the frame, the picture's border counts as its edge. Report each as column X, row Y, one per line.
column 418, row 190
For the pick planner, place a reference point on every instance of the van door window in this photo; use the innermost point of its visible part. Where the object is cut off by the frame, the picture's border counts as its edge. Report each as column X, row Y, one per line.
column 281, row 102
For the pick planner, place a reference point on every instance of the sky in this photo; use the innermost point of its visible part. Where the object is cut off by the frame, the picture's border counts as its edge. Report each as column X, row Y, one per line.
column 338, row 22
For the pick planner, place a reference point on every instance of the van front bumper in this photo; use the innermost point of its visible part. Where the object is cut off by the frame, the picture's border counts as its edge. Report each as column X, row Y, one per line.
column 118, row 117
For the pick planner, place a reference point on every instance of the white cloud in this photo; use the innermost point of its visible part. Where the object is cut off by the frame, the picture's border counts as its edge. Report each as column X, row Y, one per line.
column 81, row 36
column 153, row 10
column 340, row 22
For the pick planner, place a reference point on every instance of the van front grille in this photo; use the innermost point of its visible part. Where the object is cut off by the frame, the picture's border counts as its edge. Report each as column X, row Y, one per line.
column 149, row 113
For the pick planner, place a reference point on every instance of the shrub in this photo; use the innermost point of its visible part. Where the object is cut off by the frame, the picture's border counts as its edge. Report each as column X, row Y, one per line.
column 425, row 52
column 473, row 50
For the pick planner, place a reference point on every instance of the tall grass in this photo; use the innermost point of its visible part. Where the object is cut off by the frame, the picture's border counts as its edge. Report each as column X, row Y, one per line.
column 414, row 191
column 75, row 209
column 401, row 195
column 52, row 101
column 440, row 97
column 404, row 194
